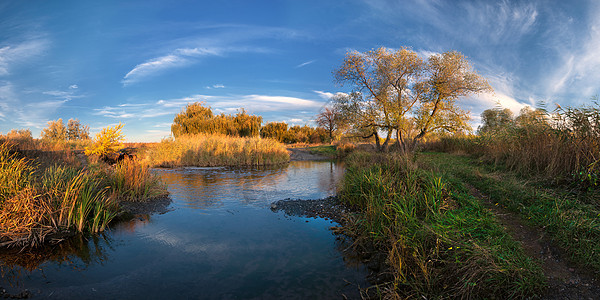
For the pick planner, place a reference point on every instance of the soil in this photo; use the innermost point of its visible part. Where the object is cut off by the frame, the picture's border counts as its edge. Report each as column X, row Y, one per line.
column 304, row 154
column 565, row 279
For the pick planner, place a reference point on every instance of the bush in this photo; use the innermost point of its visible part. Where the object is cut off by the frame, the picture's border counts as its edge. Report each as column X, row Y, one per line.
column 106, row 142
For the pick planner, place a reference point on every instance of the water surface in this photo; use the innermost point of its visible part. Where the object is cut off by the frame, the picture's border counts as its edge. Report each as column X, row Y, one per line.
column 220, row 240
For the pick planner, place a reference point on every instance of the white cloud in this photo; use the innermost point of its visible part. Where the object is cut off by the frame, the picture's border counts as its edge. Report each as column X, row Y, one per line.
column 228, row 104
column 19, row 53
column 305, row 63
column 181, row 57
column 216, row 86
column 153, row 66
column 328, row 95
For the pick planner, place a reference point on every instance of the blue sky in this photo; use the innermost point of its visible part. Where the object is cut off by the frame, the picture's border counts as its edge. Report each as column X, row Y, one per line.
column 140, row 62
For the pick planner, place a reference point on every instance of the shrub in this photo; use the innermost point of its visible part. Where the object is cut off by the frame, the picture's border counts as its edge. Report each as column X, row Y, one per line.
column 106, row 142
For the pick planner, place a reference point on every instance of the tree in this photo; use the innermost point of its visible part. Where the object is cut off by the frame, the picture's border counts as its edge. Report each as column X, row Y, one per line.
column 76, row 131
column 495, row 119
column 193, row 119
column 107, row 141
column 55, row 132
column 398, row 91
column 274, row 130
column 329, row 119
column 196, row 118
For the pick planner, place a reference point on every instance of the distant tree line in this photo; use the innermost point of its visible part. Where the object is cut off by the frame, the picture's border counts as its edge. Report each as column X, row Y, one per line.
column 58, row 132
column 294, row 134
column 196, row 118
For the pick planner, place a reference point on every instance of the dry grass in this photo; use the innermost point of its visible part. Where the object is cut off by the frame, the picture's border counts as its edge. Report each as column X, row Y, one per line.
column 215, row 150
column 562, row 145
column 39, row 201
column 131, row 180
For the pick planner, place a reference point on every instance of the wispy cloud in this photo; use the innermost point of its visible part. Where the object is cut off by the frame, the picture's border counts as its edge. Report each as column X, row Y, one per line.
column 329, row 95
column 216, row 86
column 229, row 104
column 19, row 53
column 305, row 64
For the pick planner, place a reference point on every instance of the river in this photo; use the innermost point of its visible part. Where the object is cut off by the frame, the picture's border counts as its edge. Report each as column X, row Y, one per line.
column 219, row 240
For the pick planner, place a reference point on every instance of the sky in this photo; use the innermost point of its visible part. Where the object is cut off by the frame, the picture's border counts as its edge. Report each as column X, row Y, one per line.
column 141, row 62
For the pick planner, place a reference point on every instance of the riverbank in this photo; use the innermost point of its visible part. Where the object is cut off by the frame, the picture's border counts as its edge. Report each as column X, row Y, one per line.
column 49, row 198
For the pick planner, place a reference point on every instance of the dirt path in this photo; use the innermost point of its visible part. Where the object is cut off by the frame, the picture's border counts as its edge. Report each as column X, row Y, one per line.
column 565, row 280
column 304, row 154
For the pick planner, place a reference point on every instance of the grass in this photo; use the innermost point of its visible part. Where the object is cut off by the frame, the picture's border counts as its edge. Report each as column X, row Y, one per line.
column 570, row 219
column 38, row 201
column 337, row 150
column 440, row 241
column 216, row 150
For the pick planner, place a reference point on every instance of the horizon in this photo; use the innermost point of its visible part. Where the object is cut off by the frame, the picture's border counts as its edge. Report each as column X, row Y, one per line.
column 140, row 63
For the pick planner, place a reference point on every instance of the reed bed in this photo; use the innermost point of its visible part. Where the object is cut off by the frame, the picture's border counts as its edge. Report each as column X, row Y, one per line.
column 216, row 150
column 440, row 241
column 563, row 145
column 37, row 203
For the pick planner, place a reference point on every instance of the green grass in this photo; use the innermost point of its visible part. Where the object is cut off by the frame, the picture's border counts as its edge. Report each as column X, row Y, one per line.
column 325, row 150
column 570, row 220
column 440, row 241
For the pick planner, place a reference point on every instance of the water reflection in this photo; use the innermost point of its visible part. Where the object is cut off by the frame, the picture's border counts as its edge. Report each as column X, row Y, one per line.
column 211, row 188
column 220, row 240
column 77, row 253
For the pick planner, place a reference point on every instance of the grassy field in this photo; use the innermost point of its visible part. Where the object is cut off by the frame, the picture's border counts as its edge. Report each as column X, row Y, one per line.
column 568, row 216
column 439, row 240
column 443, row 241
column 215, row 150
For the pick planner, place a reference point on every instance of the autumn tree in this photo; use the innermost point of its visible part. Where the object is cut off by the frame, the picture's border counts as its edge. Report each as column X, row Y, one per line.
column 495, row 119
column 196, row 118
column 77, row 131
column 397, row 91
column 274, row 130
column 330, row 119
column 55, row 132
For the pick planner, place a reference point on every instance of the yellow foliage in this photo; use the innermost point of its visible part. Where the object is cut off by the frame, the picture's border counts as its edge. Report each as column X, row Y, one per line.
column 107, row 141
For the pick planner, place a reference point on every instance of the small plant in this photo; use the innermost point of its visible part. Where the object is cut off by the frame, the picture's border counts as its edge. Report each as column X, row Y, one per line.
column 106, row 142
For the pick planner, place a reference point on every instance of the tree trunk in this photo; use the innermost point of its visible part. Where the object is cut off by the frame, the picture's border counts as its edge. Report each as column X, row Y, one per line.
column 384, row 147
column 377, row 143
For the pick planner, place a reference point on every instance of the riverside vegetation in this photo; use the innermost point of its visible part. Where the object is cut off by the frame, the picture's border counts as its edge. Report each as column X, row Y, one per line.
column 432, row 214
column 442, row 241
column 47, row 198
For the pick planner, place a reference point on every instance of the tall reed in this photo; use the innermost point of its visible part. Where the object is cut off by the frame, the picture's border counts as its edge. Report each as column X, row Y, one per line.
column 132, row 180
column 561, row 145
column 36, row 203
column 216, row 150
column 440, row 242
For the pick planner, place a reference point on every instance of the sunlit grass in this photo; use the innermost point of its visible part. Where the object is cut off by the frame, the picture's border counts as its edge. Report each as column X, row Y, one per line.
column 570, row 220
column 440, row 241
column 37, row 202
column 216, row 150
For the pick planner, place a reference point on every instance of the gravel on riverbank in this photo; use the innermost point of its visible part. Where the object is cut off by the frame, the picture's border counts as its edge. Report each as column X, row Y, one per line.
column 328, row 208
column 158, row 205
